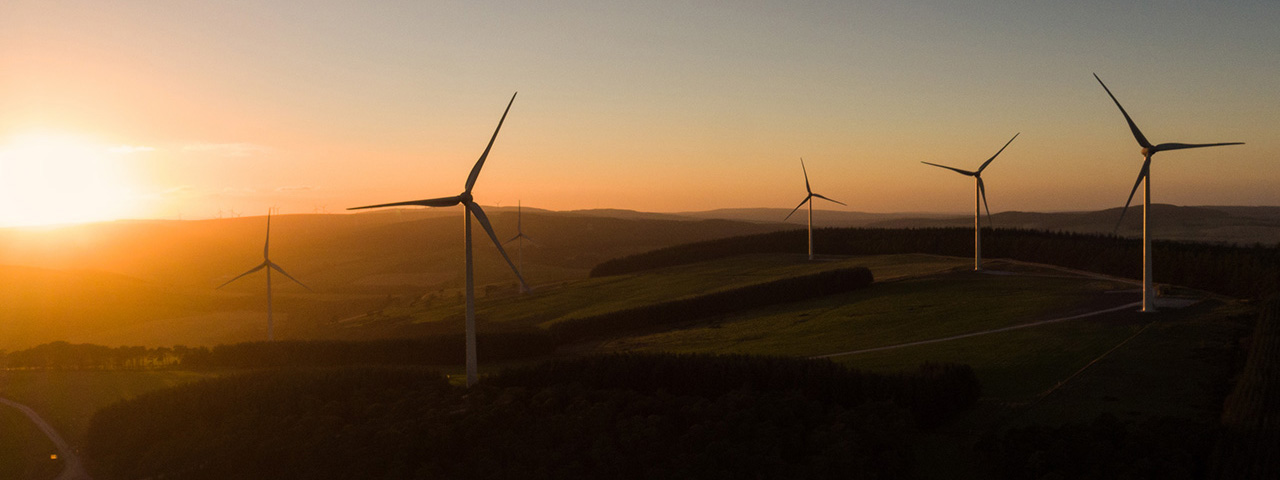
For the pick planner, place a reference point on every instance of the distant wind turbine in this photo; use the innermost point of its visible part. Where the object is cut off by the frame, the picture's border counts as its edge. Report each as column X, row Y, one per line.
column 1148, row 151
column 269, row 265
column 808, row 199
column 979, row 201
column 520, row 244
column 470, row 207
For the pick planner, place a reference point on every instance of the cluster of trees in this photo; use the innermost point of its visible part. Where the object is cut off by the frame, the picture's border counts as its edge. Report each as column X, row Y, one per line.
column 445, row 349
column 602, row 417
column 934, row 393
column 1250, row 443
column 684, row 310
column 1165, row 448
column 63, row 355
column 1239, row 271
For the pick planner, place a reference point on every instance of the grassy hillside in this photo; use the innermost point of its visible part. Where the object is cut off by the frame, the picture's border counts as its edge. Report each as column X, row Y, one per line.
column 1137, row 370
column 151, row 283
column 68, row 399
column 585, row 298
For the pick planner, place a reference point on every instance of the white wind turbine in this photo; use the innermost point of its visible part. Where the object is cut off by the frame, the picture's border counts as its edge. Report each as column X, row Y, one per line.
column 469, row 208
column 979, row 200
column 1148, row 151
column 808, row 199
column 269, row 265
column 521, row 237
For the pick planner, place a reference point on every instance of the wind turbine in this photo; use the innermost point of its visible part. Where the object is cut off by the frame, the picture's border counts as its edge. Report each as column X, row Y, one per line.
column 269, row 265
column 519, row 245
column 979, row 194
column 469, row 208
column 807, row 199
column 1148, row 151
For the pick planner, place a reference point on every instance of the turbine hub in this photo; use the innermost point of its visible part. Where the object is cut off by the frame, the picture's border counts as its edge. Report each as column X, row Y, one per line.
column 1146, row 152
column 465, row 197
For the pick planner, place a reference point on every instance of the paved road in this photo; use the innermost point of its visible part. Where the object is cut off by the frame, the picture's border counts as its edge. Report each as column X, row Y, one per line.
column 73, row 470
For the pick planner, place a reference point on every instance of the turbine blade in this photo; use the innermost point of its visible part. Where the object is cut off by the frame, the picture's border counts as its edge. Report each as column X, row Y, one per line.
column 432, row 202
column 829, row 200
column 1141, row 175
column 1137, row 134
column 793, row 211
column 475, row 171
column 993, row 157
column 982, row 190
column 254, row 269
column 517, row 237
column 957, row 170
column 484, row 222
column 286, row 274
column 806, row 177
column 1181, row 146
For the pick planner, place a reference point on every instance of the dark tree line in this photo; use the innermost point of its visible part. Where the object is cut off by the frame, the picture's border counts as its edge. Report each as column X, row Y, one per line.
column 1239, row 271
column 934, row 393
column 694, row 417
column 683, row 310
column 85, row 356
column 448, row 349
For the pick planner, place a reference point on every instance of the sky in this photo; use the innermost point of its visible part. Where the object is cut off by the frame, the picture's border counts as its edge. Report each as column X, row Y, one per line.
column 197, row 109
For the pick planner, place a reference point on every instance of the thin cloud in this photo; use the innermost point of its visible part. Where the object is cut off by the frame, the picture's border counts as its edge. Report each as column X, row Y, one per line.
column 295, row 189
column 130, row 149
column 180, row 190
column 226, row 149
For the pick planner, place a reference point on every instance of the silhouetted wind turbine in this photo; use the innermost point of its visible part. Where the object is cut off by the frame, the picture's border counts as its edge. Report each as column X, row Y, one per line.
column 979, row 201
column 269, row 265
column 469, row 208
column 519, row 245
column 1148, row 151
column 807, row 199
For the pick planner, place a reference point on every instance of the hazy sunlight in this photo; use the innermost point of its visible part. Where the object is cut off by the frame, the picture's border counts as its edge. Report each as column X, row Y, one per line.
column 56, row 178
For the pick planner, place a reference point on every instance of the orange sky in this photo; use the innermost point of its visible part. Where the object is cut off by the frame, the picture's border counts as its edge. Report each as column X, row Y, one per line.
column 186, row 109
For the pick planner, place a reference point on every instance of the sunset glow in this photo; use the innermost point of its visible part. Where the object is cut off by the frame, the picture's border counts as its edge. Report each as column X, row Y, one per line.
column 48, row 178
column 319, row 106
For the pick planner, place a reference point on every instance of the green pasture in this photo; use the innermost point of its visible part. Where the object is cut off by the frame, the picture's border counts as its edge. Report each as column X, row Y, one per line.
column 595, row 296
column 67, row 399
column 890, row 313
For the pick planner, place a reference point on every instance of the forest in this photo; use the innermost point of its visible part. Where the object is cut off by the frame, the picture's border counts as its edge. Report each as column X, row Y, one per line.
column 1236, row 271
column 691, row 416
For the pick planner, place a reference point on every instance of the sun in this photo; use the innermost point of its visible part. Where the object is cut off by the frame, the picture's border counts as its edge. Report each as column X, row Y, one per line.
column 48, row 179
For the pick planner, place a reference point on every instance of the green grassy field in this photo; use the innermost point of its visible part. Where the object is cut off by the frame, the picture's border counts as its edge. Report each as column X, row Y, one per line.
column 1129, row 364
column 890, row 313
column 68, row 399
column 24, row 450
column 601, row 295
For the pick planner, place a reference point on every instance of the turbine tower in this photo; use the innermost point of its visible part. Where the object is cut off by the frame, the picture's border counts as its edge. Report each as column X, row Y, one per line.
column 1148, row 151
column 808, row 199
column 470, row 207
column 979, row 201
column 520, row 244
column 269, row 265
